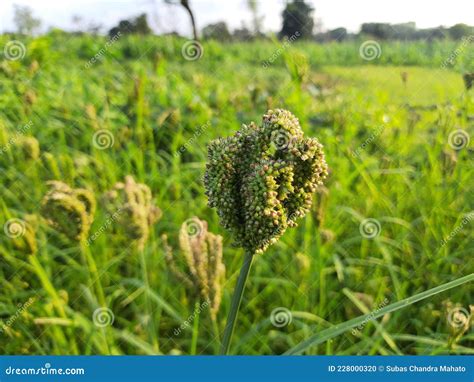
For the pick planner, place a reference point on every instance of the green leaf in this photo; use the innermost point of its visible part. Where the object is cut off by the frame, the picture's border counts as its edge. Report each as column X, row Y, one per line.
column 344, row 327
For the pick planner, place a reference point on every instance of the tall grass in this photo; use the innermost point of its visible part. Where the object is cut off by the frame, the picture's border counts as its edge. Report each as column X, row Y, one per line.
column 389, row 156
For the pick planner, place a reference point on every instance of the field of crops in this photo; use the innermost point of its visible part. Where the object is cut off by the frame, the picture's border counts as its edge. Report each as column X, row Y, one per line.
column 393, row 219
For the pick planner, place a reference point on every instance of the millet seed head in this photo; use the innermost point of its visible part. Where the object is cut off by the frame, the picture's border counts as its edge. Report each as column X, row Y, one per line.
column 262, row 179
column 132, row 202
column 29, row 147
column 69, row 210
column 202, row 251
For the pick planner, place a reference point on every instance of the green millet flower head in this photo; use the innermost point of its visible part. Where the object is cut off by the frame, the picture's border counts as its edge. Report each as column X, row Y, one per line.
column 68, row 210
column 262, row 179
column 133, row 203
column 202, row 251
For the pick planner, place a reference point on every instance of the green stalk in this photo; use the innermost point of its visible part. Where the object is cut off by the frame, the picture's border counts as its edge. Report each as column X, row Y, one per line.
column 94, row 273
column 344, row 327
column 58, row 303
column 195, row 328
column 95, row 281
column 236, row 300
column 149, row 311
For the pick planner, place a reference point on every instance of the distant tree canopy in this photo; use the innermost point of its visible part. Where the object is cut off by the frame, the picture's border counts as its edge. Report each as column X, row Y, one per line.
column 459, row 31
column 243, row 34
column 386, row 31
column 257, row 20
column 297, row 17
column 338, row 34
column 217, row 31
column 137, row 25
column 24, row 20
column 298, row 21
column 408, row 31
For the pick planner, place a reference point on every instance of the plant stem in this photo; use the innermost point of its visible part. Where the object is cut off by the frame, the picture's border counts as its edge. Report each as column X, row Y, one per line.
column 94, row 274
column 195, row 328
column 236, row 300
column 99, row 290
column 58, row 303
column 149, row 311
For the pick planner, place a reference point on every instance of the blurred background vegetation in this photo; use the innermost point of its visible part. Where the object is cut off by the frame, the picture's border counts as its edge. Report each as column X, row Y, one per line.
column 386, row 124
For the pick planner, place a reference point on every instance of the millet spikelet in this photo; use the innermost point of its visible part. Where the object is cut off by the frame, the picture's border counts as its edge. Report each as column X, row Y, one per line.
column 134, row 204
column 202, row 251
column 26, row 242
column 262, row 179
column 69, row 210
column 30, row 149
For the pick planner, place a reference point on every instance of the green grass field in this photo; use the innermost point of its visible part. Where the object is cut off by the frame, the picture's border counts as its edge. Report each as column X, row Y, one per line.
column 390, row 147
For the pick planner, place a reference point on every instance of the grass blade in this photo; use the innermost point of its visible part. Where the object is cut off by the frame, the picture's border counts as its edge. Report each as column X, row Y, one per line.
column 344, row 327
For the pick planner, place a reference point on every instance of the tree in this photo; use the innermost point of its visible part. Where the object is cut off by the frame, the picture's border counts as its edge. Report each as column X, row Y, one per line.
column 379, row 31
column 459, row 31
column 24, row 20
column 338, row 34
column 257, row 20
column 141, row 24
column 297, row 17
column 138, row 25
column 404, row 31
column 217, row 31
column 185, row 4
column 242, row 34
column 187, row 7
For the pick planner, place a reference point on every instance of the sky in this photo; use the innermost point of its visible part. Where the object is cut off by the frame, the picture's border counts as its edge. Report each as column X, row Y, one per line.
column 166, row 18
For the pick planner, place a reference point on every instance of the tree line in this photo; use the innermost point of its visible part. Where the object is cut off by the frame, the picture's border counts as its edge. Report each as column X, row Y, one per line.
column 297, row 20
